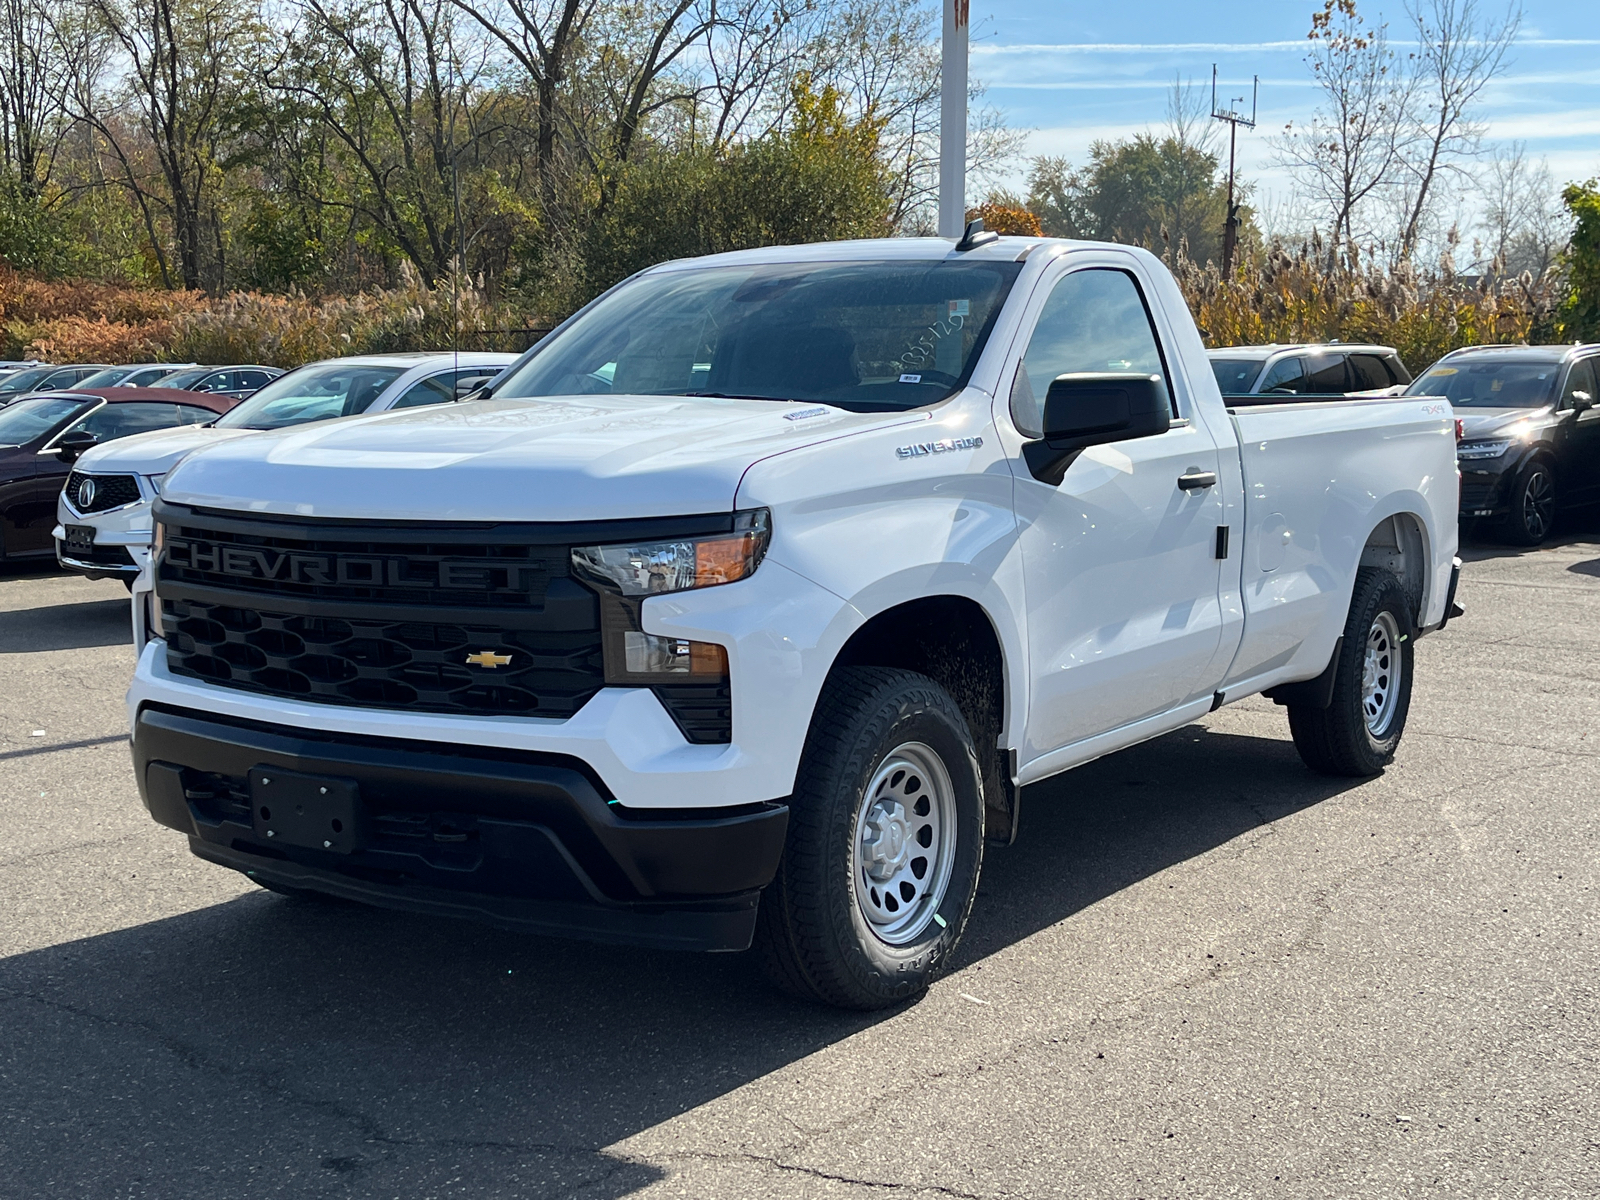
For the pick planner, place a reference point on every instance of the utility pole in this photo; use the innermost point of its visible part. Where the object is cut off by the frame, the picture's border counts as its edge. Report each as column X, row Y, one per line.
column 953, row 119
column 1232, row 115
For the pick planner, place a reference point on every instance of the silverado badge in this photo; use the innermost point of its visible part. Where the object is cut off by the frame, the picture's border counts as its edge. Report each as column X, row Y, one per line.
column 489, row 659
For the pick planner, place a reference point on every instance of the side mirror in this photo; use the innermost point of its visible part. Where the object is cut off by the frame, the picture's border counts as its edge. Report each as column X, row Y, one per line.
column 1582, row 401
column 72, row 445
column 1083, row 410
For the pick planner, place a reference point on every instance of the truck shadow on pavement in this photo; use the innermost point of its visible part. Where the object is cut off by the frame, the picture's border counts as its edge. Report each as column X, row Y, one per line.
column 265, row 1046
column 66, row 627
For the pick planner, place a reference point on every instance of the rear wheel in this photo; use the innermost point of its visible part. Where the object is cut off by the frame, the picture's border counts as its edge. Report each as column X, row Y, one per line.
column 1358, row 733
column 1533, row 505
column 884, row 847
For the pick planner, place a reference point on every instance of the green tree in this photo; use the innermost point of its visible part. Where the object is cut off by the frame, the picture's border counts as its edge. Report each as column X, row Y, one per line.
column 819, row 178
column 1580, row 315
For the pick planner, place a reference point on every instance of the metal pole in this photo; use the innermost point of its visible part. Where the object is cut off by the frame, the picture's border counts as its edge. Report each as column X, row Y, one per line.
column 953, row 120
column 1230, row 230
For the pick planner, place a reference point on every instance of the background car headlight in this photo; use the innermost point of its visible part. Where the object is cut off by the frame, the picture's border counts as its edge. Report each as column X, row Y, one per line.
column 156, row 481
column 655, row 568
column 1483, row 449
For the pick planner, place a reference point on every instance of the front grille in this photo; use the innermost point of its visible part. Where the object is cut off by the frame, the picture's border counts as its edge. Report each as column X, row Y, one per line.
column 1477, row 493
column 457, row 618
column 108, row 491
column 384, row 664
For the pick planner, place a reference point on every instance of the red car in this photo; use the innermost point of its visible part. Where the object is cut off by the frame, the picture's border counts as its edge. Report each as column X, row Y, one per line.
column 42, row 436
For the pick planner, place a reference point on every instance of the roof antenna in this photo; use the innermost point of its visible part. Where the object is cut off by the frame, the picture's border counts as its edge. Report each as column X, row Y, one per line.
column 976, row 235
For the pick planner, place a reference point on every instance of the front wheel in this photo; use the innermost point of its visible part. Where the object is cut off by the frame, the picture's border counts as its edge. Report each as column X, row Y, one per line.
column 885, row 844
column 1358, row 733
column 1533, row 505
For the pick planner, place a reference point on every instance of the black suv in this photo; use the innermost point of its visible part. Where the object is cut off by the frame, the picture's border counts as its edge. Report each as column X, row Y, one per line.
column 1530, row 441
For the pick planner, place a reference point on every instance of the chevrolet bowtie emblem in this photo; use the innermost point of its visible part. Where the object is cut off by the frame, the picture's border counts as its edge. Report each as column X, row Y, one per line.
column 488, row 658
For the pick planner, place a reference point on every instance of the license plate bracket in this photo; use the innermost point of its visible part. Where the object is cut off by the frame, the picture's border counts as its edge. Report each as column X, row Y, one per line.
column 79, row 537
column 317, row 812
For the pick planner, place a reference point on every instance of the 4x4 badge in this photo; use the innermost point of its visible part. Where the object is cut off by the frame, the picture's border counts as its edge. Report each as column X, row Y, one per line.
column 489, row 659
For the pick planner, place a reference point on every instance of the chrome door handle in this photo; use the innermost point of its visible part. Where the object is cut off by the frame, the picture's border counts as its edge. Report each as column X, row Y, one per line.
column 1193, row 480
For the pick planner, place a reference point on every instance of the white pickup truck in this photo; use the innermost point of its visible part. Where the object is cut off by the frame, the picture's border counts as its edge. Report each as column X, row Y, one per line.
column 751, row 598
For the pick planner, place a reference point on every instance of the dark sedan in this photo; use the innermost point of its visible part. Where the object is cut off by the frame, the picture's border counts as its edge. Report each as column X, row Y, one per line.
column 1530, row 432
column 237, row 381
column 41, row 437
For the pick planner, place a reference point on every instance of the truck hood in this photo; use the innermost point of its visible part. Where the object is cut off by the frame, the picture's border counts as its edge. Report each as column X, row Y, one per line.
column 1486, row 422
column 562, row 458
column 156, row 452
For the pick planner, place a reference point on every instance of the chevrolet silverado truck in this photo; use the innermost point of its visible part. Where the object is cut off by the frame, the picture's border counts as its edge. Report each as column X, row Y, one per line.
column 746, row 604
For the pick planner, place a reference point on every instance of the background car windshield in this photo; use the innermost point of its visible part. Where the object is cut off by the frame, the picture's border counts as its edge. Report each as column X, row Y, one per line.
column 1235, row 375
column 24, row 381
column 183, row 379
column 313, row 393
column 25, row 420
column 110, row 377
column 1490, row 384
column 865, row 336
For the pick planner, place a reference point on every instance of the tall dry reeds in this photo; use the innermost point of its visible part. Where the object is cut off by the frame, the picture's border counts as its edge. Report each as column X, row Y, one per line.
column 1298, row 295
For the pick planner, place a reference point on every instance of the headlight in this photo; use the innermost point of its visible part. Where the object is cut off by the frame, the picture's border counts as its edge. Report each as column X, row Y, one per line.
column 1483, row 449
column 156, row 482
column 655, row 568
column 158, row 538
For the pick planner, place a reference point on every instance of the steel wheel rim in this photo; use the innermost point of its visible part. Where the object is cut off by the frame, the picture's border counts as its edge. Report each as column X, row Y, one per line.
column 1538, row 504
column 902, row 847
column 1380, row 674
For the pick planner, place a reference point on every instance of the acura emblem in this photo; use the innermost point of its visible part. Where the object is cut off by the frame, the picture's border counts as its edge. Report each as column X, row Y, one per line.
column 86, row 493
column 489, row 659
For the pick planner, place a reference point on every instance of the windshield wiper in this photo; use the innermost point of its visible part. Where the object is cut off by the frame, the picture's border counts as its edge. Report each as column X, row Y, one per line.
column 731, row 396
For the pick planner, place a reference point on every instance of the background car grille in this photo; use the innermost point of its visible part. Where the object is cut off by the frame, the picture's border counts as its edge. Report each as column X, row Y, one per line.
column 110, row 491
column 1476, row 493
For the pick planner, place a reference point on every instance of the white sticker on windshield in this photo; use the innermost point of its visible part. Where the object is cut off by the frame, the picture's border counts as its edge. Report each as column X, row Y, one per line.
column 960, row 308
column 911, row 379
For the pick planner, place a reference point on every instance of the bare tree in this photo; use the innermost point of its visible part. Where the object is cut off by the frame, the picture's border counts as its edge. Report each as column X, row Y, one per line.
column 1354, row 148
column 36, row 60
column 1524, row 225
column 1461, row 48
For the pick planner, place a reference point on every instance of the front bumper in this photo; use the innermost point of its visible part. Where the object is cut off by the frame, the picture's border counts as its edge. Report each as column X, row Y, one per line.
column 1485, row 486
column 524, row 840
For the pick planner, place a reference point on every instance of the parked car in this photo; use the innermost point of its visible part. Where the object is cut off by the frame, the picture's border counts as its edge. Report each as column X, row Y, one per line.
column 237, row 381
column 42, row 436
column 132, row 375
column 1331, row 369
column 1530, row 432
column 44, row 378
column 757, row 592
column 110, row 532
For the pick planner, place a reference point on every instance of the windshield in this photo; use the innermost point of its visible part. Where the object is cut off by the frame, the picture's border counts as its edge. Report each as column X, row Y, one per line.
column 1503, row 384
column 25, row 420
column 1235, row 375
column 864, row 336
column 24, row 381
column 182, row 379
column 314, row 393
column 107, row 378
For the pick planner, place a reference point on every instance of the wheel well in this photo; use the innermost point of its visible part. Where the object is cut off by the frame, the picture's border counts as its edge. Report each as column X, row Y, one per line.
column 1397, row 545
column 951, row 640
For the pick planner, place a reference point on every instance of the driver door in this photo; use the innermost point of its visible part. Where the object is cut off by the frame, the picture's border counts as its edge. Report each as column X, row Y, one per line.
column 1119, row 561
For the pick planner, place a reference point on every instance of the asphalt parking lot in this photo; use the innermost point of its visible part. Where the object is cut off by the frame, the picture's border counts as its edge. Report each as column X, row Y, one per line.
column 1202, row 972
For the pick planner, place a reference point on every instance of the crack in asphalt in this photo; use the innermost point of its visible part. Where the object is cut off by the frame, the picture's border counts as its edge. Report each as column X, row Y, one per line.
column 54, row 851
column 830, row 1176
column 30, row 751
column 1462, row 737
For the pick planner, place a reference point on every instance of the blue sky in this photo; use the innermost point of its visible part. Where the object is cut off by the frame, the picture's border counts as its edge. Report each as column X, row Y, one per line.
column 1071, row 73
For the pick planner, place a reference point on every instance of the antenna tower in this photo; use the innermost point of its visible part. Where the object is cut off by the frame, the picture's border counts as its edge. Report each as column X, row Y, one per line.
column 1235, row 118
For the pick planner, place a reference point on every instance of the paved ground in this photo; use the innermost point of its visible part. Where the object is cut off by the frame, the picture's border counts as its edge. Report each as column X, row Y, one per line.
column 1203, row 972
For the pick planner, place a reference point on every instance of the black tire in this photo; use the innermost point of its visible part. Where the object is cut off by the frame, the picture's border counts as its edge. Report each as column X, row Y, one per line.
column 1533, row 505
column 814, row 935
column 1340, row 739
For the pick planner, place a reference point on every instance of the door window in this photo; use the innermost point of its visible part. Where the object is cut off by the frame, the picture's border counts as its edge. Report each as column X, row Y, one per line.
column 1580, row 379
column 193, row 414
column 1285, row 375
column 111, row 421
column 1094, row 321
column 1367, row 373
column 253, row 379
column 1326, row 377
column 1396, row 368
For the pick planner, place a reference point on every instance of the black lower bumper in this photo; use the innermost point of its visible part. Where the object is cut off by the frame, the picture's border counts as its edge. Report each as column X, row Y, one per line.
column 528, row 841
column 97, row 562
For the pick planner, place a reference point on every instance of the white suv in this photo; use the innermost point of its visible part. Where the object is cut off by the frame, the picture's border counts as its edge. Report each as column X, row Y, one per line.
column 104, row 509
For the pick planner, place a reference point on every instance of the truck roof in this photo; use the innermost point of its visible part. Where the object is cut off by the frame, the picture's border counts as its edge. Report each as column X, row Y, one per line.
column 1005, row 248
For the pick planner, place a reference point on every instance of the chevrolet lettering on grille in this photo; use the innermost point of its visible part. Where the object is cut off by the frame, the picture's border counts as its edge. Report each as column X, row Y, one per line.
column 288, row 566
